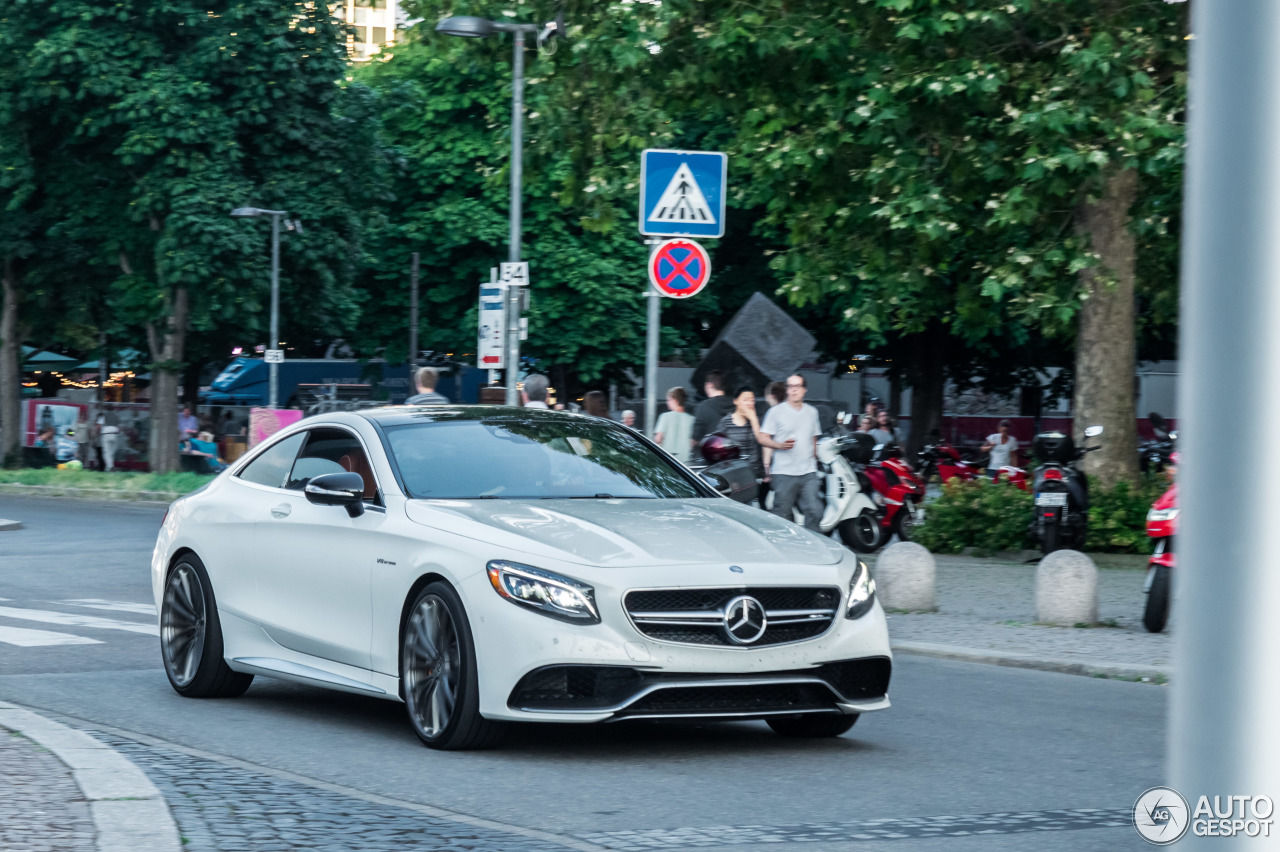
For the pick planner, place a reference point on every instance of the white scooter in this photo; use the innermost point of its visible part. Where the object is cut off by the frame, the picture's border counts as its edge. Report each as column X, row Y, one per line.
column 850, row 508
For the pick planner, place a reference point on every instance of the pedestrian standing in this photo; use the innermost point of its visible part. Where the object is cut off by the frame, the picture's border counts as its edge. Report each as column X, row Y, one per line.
column 675, row 426
column 535, row 391
column 866, row 423
column 108, row 425
column 84, row 436
column 742, row 426
column 188, row 423
column 425, row 380
column 596, row 404
column 792, row 431
column 712, row 409
column 629, row 419
column 1003, row 448
column 884, row 433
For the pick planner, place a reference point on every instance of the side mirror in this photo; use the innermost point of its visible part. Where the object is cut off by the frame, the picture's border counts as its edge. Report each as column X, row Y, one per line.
column 1093, row 431
column 338, row 489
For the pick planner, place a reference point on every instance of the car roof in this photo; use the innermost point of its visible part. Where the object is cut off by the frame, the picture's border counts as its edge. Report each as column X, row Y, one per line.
column 401, row 415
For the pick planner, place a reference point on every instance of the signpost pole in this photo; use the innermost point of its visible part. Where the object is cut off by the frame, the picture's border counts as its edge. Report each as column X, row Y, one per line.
column 413, row 321
column 651, row 350
column 517, row 175
column 1223, row 736
column 273, row 369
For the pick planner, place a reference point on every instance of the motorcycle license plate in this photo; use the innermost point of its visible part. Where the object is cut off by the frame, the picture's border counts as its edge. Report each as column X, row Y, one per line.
column 919, row 516
column 1051, row 500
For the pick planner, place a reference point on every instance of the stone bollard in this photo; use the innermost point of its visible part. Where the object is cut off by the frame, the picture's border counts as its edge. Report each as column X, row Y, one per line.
column 1066, row 589
column 905, row 575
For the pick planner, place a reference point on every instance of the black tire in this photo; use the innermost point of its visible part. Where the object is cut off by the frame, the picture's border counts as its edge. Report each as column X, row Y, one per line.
column 1156, row 613
column 191, row 635
column 811, row 726
column 861, row 534
column 438, row 674
column 904, row 523
column 1049, row 539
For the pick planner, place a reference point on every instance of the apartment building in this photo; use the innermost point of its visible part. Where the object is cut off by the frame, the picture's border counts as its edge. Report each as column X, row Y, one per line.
column 375, row 23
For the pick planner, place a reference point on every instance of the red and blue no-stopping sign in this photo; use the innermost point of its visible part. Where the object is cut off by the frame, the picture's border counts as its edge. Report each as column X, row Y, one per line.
column 679, row 268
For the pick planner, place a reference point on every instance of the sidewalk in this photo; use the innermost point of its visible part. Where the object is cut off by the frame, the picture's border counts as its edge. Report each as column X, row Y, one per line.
column 68, row 792
column 987, row 613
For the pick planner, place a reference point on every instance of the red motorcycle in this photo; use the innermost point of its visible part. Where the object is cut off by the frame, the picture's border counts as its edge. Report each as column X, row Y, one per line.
column 1015, row 476
column 898, row 491
column 944, row 459
column 1162, row 523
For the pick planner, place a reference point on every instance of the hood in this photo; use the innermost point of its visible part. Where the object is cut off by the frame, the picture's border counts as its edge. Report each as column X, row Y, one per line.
column 626, row 533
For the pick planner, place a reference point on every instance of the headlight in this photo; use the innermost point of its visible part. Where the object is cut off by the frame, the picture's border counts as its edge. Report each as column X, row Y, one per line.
column 550, row 594
column 1162, row 514
column 862, row 592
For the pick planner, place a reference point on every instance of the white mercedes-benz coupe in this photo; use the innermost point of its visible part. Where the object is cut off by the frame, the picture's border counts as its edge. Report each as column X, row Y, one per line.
column 489, row 564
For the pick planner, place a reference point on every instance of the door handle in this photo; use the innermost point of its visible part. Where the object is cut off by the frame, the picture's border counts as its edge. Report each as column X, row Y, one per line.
column 281, row 511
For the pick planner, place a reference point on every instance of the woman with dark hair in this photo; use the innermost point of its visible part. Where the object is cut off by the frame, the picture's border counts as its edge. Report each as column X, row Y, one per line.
column 741, row 426
column 596, row 404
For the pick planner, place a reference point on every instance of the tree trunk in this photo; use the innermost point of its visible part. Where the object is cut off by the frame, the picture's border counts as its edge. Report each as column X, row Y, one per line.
column 1105, row 346
column 166, row 355
column 927, row 375
column 10, row 377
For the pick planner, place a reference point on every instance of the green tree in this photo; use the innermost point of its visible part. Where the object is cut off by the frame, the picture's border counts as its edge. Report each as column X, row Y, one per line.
column 171, row 112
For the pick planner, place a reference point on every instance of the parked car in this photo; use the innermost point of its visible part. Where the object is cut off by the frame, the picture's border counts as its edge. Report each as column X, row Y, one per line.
column 489, row 564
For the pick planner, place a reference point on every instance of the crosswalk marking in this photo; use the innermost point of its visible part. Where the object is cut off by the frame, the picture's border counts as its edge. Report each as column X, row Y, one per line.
column 26, row 637
column 67, row 619
column 115, row 606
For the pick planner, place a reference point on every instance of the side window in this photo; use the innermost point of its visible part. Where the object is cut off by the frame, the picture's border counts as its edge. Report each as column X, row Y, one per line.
column 273, row 466
column 332, row 451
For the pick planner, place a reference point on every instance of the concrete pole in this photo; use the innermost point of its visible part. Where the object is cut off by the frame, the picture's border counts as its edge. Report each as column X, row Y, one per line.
column 413, row 322
column 273, row 399
column 1223, row 734
column 517, row 175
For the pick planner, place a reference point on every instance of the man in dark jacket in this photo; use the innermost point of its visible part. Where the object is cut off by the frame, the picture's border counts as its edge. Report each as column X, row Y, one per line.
column 710, row 411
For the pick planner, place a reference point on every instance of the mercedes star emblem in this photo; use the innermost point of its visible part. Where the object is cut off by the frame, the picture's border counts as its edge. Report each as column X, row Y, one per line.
column 744, row 620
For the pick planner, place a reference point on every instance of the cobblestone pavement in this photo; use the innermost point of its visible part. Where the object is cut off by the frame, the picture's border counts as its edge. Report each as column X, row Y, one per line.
column 221, row 808
column 41, row 808
column 990, row 605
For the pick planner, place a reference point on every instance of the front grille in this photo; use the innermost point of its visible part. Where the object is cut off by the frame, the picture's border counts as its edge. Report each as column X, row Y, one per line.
column 696, row 616
column 766, row 698
column 608, row 688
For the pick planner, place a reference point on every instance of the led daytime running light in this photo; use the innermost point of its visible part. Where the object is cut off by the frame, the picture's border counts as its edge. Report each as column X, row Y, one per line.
column 862, row 592
column 550, row 594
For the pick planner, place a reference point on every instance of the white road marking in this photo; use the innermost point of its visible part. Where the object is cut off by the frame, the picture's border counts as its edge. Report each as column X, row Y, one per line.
column 116, row 606
column 67, row 619
column 27, row 638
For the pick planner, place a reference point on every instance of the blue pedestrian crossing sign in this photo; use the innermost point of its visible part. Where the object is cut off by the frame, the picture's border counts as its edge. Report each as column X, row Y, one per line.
column 682, row 193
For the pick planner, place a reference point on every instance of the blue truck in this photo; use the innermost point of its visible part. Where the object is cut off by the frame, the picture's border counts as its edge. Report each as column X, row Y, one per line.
column 245, row 381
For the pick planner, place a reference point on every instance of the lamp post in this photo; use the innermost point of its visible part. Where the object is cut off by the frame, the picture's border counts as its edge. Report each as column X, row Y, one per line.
column 276, row 215
column 466, row 26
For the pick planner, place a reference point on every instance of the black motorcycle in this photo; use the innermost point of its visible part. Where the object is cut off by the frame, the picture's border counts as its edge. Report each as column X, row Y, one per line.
column 1156, row 454
column 1061, row 491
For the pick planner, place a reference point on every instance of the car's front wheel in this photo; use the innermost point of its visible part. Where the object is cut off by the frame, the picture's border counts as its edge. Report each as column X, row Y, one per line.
column 439, row 675
column 191, row 635
column 811, row 726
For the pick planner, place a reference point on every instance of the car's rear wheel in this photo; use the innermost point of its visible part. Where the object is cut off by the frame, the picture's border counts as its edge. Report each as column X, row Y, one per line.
column 811, row 726
column 439, row 675
column 191, row 635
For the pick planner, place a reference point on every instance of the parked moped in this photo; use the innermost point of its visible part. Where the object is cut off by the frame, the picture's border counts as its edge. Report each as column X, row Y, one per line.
column 1061, row 491
column 1162, row 524
column 900, row 492
column 849, row 509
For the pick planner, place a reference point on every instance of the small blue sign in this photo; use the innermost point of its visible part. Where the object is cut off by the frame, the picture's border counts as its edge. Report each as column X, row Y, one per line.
column 682, row 193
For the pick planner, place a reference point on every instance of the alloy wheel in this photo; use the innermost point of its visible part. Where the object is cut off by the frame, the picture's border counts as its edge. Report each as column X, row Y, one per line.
column 182, row 624
column 432, row 662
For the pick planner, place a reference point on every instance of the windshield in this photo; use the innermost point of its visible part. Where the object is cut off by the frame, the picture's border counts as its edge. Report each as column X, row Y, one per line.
column 511, row 458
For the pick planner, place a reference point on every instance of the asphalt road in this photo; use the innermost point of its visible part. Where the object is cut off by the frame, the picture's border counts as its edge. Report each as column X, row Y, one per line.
column 961, row 740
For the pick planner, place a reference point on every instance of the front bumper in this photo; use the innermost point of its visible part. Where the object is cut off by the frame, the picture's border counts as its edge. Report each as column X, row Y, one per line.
column 619, row 673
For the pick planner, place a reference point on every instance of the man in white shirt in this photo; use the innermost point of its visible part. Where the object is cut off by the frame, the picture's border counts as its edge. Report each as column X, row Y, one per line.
column 535, row 391
column 791, row 430
column 1003, row 448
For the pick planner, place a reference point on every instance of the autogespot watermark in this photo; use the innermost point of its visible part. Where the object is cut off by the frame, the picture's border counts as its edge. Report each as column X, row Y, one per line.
column 1162, row 816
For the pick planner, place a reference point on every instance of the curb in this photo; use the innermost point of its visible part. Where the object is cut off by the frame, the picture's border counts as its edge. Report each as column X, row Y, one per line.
column 128, row 811
column 110, row 494
column 9, row 525
column 1156, row 674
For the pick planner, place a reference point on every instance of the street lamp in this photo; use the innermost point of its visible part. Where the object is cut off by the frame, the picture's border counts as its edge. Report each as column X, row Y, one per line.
column 466, row 26
column 276, row 215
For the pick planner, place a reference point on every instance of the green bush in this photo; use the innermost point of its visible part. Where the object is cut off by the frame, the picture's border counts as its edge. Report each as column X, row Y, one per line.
column 996, row 516
column 179, row 483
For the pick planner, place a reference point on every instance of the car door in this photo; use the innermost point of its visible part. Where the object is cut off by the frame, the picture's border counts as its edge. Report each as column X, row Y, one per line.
column 314, row 584
column 229, row 525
